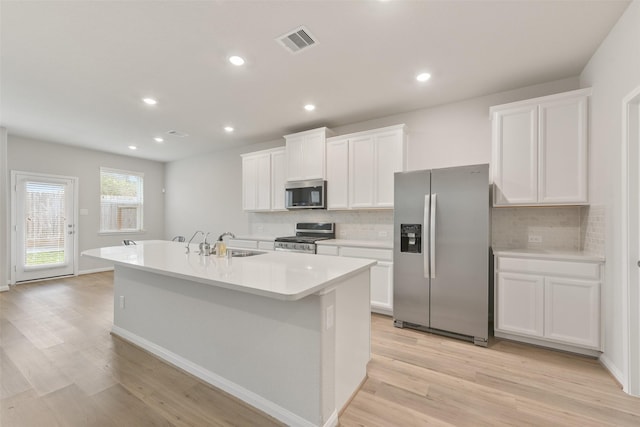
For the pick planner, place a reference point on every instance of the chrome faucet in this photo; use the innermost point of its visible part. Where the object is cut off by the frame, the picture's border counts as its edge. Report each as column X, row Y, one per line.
column 205, row 249
column 227, row 233
column 194, row 235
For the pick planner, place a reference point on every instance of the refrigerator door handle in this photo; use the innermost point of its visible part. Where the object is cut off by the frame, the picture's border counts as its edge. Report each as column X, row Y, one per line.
column 432, row 237
column 425, row 221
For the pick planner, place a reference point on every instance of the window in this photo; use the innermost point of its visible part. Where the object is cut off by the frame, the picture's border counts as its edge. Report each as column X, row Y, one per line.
column 121, row 200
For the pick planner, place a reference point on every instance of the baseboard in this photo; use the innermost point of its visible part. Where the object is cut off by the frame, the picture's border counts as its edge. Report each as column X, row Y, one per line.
column 95, row 270
column 549, row 344
column 222, row 383
column 614, row 371
column 4, row 288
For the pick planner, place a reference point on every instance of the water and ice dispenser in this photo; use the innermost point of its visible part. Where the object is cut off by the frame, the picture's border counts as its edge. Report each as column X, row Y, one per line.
column 411, row 238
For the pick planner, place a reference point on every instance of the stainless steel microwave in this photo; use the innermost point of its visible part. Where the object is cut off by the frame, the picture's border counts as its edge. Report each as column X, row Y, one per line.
column 306, row 194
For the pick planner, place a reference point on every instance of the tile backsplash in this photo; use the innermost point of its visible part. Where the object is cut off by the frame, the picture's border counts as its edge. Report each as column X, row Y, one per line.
column 552, row 227
column 593, row 229
column 562, row 228
column 352, row 225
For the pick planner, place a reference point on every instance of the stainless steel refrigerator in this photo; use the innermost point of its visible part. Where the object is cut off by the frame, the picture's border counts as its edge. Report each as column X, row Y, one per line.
column 441, row 251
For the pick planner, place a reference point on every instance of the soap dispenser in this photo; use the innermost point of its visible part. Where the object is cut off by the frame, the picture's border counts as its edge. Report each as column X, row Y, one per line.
column 221, row 248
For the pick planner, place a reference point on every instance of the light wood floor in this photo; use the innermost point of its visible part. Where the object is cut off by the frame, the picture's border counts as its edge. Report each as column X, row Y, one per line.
column 59, row 366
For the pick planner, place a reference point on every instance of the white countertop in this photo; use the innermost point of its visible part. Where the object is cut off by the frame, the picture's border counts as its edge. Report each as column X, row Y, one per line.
column 566, row 255
column 280, row 275
column 377, row 244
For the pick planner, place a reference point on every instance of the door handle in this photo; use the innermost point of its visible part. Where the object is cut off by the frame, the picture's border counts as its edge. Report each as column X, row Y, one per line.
column 432, row 236
column 425, row 250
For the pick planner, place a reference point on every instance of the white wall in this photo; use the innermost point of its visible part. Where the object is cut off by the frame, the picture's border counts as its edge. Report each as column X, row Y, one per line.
column 612, row 72
column 44, row 157
column 4, row 212
column 205, row 193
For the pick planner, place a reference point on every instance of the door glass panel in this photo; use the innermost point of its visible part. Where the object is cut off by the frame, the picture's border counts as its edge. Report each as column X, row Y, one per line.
column 44, row 224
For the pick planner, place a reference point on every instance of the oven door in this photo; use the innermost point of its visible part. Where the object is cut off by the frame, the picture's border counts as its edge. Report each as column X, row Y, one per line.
column 306, row 194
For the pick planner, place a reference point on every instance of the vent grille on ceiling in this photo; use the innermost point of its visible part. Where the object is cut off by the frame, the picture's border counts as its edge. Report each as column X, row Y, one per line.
column 297, row 40
column 178, row 133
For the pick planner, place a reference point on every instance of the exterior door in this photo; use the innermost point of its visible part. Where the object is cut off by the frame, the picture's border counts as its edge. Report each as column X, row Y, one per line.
column 44, row 226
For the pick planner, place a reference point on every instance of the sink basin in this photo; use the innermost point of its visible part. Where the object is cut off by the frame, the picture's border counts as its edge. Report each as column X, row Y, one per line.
column 243, row 253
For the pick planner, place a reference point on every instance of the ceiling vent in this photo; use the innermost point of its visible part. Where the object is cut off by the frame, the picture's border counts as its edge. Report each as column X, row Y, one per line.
column 177, row 133
column 297, row 40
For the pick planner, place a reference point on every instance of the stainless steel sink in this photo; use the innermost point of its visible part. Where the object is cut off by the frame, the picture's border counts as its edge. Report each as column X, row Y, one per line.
column 243, row 253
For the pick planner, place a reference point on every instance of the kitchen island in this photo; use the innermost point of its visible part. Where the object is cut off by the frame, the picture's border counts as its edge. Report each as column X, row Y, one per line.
column 287, row 333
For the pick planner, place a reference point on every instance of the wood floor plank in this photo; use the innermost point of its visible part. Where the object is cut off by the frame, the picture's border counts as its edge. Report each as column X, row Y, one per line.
column 41, row 373
column 26, row 410
column 125, row 409
column 71, row 407
column 13, row 382
column 60, row 366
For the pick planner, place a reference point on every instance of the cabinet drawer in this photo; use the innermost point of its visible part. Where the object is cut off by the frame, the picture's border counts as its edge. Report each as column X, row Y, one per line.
column 239, row 243
column 267, row 246
column 576, row 269
column 377, row 254
column 326, row 250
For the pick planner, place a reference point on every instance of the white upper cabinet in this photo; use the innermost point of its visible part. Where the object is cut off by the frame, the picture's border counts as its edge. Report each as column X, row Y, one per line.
column 338, row 173
column 263, row 180
column 360, row 168
column 515, row 159
column 563, row 150
column 539, row 154
column 362, row 161
column 278, row 179
column 305, row 158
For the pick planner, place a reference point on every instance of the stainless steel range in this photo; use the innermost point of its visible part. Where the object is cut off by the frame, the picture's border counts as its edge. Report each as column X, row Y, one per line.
column 307, row 234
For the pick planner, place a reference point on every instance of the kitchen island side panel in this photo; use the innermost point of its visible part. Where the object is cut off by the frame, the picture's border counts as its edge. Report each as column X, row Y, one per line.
column 270, row 347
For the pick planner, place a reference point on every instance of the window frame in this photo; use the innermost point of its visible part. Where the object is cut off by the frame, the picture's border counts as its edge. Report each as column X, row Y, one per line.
column 139, row 205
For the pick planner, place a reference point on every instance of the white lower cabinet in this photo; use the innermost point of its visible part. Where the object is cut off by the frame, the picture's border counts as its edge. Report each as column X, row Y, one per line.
column 263, row 245
column 571, row 311
column 549, row 302
column 381, row 273
column 520, row 303
column 382, row 287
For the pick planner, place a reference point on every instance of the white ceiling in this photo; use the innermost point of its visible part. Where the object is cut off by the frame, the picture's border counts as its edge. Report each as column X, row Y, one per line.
column 74, row 72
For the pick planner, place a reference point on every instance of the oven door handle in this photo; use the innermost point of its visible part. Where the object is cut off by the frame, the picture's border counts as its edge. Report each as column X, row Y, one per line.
column 293, row 250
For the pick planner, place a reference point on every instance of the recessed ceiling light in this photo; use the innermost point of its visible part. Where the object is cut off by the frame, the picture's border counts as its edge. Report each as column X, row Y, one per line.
column 149, row 101
column 309, row 107
column 423, row 77
column 236, row 60
column 228, row 129
column 133, row 147
column 158, row 139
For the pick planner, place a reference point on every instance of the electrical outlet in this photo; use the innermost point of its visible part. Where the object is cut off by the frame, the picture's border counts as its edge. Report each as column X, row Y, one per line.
column 122, row 302
column 382, row 234
column 330, row 315
column 343, row 233
column 535, row 238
